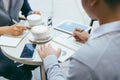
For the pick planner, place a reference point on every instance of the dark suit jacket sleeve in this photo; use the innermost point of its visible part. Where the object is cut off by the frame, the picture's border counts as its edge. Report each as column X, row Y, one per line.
column 26, row 9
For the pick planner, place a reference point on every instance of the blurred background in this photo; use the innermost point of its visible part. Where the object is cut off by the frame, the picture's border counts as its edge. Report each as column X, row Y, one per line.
column 61, row 10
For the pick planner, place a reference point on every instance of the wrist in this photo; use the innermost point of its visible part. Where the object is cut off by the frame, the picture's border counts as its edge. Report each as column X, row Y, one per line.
column 4, row 30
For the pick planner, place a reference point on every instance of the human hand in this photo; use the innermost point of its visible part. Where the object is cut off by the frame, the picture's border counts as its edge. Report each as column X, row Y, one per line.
column 36, row 12
column 15, row 30
column 80, row 35
column 46, row 50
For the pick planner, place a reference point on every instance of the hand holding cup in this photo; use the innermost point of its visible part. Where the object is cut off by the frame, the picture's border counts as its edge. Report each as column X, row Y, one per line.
column 34, row 19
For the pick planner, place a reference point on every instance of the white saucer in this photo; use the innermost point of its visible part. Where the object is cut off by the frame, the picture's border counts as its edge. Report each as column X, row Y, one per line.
column 40, row 41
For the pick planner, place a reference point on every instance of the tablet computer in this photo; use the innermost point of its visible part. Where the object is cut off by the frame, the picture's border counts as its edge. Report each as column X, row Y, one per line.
column 69, row 26
column 28, row 51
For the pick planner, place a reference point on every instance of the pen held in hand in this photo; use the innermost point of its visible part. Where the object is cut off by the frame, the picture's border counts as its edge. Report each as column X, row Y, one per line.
column 14, row 21
column 82, row 30
column 78, row 31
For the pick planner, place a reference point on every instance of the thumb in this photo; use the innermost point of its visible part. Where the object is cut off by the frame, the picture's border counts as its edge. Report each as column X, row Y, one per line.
column 58, row 52
column 77, row 33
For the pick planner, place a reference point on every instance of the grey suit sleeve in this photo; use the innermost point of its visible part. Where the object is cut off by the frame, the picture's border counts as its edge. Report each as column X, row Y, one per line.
column 53, row 69
column 78, row 71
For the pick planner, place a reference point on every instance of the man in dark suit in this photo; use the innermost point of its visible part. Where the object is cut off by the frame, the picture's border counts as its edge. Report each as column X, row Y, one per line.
column 8, row 11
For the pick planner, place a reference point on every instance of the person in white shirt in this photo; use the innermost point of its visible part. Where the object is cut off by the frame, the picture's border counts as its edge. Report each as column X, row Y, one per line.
column 99, row 57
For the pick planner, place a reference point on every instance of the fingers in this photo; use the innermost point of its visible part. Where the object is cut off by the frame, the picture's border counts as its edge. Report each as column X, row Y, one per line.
column 58, row 52
column 36, row 12
column 49, row 45
column 42, row 47
column 76, row 34
column 21, row 27
column 46, row 50
column 16, row 29
column 77, row 29
column 40, row 52
column 79, row 36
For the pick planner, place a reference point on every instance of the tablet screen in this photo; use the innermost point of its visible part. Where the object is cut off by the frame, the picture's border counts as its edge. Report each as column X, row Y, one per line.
column 69, row 26
column 28, row 51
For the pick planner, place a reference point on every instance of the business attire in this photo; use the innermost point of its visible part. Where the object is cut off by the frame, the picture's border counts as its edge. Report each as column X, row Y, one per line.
column 12, row 12
column 26, row 9
column 98, row 59
column 9, row 9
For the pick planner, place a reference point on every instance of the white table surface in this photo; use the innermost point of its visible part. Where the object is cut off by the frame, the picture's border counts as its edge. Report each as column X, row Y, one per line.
column 14, row 54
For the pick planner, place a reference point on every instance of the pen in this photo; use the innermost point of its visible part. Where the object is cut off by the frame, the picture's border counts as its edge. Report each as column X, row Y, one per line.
column 14, row 21
column 69, row 36
column 81, row 30
column 78, row 31
column 17, row 23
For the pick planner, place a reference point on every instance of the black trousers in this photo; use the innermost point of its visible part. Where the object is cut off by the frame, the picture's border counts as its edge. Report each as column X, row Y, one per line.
column 9, row 69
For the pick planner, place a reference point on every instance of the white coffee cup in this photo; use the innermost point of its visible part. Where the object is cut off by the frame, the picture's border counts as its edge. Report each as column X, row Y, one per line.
column 34, row 19
column 40, row 32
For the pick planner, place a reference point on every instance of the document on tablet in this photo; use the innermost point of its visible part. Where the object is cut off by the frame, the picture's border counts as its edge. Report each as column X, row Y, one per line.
column 68, row 41
column 69, row 26
column 66, row 53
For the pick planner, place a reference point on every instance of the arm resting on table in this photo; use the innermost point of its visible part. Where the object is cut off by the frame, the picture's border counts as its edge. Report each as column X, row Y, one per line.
column 53, row 69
